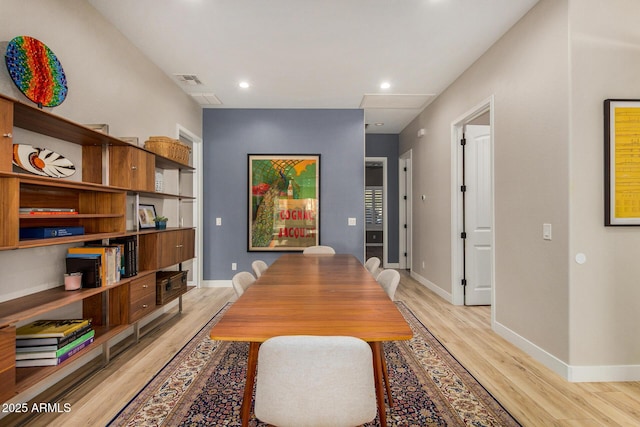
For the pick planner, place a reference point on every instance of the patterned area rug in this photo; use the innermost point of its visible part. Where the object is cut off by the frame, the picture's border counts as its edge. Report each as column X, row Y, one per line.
column 203, row 384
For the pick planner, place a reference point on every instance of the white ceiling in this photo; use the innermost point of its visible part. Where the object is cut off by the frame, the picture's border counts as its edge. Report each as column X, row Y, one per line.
column 317, row 53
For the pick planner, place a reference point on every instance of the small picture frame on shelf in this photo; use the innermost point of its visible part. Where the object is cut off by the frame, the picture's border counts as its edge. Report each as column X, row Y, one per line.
column 146, row 214
column 99, row 127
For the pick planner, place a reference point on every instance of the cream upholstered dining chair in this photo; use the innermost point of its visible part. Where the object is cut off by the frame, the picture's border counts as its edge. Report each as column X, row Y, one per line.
column 315, row 381
column 241, row 281
column 372, row 265
column 259, row 267
column 319, row 250
column 389, row 280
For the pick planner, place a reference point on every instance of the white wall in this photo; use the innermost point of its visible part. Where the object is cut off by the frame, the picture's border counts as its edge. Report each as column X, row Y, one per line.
column 109, row 82
column 531, row 137
column 605, row 291
column 549, row 77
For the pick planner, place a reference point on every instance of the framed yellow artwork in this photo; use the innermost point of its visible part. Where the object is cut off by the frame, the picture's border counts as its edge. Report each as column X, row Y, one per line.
column 622, row 162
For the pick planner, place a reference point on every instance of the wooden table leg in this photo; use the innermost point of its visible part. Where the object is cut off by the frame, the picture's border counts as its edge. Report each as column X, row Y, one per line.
column 385, row 374
column 376, row 348
column 252, row 363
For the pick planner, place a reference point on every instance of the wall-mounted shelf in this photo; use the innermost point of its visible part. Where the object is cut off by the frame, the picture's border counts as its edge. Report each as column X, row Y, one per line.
column 101, row 208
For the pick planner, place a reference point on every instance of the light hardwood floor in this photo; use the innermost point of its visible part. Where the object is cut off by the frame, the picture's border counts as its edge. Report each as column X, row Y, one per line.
column 532, row 393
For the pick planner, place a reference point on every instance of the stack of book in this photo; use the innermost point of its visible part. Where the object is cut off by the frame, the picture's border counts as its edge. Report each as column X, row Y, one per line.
column 51, row 342
column 129, row 255
column 48, row 211
column 100, row 265
column 50, row 231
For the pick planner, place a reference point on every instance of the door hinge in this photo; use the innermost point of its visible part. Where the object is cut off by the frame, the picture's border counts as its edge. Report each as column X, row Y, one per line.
column 463, row 235
column 405, row 197
column 405, row 169
column 405, row 254
column 405, row 226
column 463, row 282
column 463, row 188
column 463, row 141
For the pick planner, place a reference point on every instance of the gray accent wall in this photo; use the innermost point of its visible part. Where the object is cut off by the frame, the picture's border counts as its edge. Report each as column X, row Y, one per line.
column 231, row 134
column 386, row 145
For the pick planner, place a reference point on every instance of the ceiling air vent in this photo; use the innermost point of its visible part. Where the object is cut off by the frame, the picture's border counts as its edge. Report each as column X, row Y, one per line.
column 206, row 98
column 188, row 79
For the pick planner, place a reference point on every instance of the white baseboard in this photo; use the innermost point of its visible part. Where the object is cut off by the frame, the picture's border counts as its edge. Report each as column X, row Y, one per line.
column 394, row 265
column 539, row 354
column 570, row 373
column 612, row 373
column 216, row 284
column 432, row 287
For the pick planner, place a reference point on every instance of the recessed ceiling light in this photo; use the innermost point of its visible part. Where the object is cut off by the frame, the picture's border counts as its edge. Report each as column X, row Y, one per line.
column 385, row 85
column 244, row 85
column 379, row 124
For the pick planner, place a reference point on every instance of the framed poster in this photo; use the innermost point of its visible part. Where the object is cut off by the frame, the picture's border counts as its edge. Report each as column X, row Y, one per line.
column 284, row 202
column 146, row 214
column 622, row 162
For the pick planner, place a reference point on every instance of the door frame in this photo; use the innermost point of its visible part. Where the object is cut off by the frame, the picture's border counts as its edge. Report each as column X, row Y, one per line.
column 405, row 210
column 182, row 133
column 457, row 248
column 385, row 229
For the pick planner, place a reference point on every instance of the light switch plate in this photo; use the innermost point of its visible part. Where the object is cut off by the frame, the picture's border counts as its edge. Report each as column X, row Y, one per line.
column 352, row 222
column 546, row 231
column 218, row 221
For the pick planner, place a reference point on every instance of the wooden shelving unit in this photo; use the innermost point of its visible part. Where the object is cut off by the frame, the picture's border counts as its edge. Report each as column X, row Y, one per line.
column 102, row 210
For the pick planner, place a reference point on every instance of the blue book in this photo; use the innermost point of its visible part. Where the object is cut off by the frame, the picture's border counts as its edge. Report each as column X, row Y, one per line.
column 48, row 232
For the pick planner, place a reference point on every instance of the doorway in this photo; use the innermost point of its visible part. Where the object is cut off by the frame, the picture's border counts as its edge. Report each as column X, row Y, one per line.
column 190, row 211
column 376, row 218
column 473, row 207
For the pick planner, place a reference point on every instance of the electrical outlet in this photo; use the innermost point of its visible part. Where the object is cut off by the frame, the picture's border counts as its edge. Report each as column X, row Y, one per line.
column 234, row 266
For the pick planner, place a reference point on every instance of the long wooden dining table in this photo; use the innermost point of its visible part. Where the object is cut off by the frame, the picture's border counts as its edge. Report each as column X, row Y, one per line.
column 305, row 294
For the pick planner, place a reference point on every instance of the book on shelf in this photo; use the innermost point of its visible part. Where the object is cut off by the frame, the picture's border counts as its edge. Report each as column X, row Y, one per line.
column 130, row 257
column 50, row 328
column 114, row 260
column 105, row 277
column 48, row 210
column 121, row 261
column 49, row 232
column 52, row 343
column 51, row 213
column 38, row 353
column 90, row 265
column 55, row 361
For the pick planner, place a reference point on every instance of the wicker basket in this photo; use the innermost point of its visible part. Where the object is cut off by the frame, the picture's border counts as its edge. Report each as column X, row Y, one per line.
column 169, row 148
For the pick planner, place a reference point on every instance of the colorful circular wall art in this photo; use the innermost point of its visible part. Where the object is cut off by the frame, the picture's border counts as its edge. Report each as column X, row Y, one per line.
column 36, row 71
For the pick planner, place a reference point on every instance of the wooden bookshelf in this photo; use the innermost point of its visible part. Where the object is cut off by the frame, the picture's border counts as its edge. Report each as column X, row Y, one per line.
column 101, row 208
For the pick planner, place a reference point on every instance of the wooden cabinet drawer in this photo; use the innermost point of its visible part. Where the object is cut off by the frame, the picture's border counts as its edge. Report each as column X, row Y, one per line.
column 142, row 287
column 164, row 249
column 132, row 168
column 142, row 297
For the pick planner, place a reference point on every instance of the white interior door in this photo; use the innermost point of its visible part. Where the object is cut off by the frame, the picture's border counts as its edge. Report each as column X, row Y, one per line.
column 478, row 215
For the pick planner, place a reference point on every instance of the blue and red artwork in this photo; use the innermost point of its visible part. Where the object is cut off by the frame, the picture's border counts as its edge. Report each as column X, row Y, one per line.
column 36, row 71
